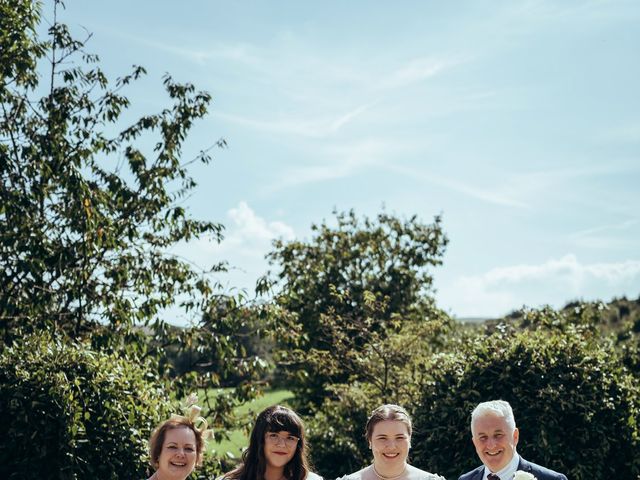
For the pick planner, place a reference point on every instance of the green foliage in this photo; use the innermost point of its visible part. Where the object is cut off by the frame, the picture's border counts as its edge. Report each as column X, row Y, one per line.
column 90, row 207
column 232, row 445
column 347, row 288
column 391, row 370
column 336, row 433
column 616, row 322
column 71, row 412
column 576, row 406
column 20, row 47
column 358, row 325
column 86, row 215
column 216, row 353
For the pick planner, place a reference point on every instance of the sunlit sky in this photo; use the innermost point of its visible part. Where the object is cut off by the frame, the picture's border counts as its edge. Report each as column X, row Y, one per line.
column 518, row 121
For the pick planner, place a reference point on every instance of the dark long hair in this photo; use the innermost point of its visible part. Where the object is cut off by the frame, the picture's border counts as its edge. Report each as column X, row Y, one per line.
column 254, row 464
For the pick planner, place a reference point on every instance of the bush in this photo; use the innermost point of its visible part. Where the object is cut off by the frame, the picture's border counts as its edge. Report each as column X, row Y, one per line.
column 69, row 412
column 575, row 405
column 336, row 434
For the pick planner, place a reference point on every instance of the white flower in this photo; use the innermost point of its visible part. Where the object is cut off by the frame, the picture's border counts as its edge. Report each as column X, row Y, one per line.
column 520, row 475
column 194, row 412
column 190, row 400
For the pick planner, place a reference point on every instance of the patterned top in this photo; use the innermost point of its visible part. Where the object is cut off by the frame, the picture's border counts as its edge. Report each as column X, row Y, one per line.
column 410, row 473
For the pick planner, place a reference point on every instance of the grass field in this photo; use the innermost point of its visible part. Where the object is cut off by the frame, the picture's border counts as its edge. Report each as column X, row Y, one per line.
column 238, row 438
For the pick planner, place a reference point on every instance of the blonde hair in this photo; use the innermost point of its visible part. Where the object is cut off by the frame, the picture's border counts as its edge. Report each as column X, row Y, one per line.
column 157, row 438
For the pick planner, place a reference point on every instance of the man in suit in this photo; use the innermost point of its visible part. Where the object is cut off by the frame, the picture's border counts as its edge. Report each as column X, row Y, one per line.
column 495, row 436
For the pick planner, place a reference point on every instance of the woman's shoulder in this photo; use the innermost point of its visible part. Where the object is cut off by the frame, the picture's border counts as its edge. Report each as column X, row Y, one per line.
column 313, row 476
column 417, row 474
column 354, row 476
column 359, row 475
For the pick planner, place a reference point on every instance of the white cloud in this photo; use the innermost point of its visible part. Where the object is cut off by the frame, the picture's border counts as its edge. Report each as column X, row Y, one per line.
column 250, row 230
column 346, row 160
column 487, row 194
column 319, row 126
column 615, row 235
column 537, row 187
column 248, row 238
column 240, row 52
column 529, row 16
column 416, row 70
column 603, row 228
column 347, row 117
column 554, row 282
column 566, row 267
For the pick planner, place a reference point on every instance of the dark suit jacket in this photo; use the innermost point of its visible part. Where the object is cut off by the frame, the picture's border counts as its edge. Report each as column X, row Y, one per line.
column 537, row 471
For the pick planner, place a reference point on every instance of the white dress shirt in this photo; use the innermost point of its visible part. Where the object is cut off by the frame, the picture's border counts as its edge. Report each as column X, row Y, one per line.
column 508, row 472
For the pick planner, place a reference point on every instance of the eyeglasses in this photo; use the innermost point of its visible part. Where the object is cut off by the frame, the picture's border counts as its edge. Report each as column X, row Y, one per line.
column 275, row 438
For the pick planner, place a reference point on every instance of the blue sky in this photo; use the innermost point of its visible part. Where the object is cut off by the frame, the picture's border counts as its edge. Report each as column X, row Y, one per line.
column 518, row 121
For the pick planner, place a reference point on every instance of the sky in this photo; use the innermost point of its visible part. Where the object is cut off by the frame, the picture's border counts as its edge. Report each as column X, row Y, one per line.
column 518, row 121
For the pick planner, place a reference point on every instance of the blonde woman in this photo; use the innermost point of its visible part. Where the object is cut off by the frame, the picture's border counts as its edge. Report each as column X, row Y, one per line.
column 176, row 445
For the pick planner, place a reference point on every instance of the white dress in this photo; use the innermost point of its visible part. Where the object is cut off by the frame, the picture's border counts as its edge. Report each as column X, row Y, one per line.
column 310, row 476
column 410, row 473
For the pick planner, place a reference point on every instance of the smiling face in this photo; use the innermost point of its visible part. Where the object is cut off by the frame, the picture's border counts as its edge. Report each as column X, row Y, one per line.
column 390, row 442
column 178, row 456
column 494, row 440
column 279, row 448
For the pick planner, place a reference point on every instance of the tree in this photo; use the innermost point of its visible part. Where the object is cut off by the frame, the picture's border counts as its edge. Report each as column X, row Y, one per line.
column 88, row 214
column 346, row 289
column 87, row 217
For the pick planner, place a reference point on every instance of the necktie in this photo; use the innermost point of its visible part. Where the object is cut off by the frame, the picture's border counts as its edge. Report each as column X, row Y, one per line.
column 493, row 476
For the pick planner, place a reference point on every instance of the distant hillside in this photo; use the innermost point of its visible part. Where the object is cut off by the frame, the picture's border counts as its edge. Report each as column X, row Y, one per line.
column 473, row 319
column 616, row 315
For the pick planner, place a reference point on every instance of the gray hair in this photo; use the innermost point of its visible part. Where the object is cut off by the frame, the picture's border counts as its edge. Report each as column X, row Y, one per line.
column 499, row 408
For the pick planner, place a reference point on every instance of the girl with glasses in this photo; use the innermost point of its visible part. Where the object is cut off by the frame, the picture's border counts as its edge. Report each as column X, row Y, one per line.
column 277, row 449
column 388, row 432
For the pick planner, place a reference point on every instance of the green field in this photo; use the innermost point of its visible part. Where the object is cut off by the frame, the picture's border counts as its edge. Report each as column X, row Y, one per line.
column 238, row 439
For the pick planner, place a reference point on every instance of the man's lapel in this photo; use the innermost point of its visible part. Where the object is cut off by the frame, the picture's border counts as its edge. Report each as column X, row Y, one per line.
column 478, row 473
column 524, row 465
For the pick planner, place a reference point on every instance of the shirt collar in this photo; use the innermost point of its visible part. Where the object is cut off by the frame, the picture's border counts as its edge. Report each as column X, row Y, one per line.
column 508, row 471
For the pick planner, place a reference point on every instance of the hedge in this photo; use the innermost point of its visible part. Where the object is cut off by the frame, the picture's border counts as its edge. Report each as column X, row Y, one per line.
column 576, row 405
column 69, row 412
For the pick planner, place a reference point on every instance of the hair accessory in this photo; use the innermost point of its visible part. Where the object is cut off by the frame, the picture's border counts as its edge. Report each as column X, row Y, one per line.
column 192, row 413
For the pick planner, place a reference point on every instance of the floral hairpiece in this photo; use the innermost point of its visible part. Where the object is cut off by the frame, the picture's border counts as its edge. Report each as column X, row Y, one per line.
column 192, row 413
column 521, row 475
